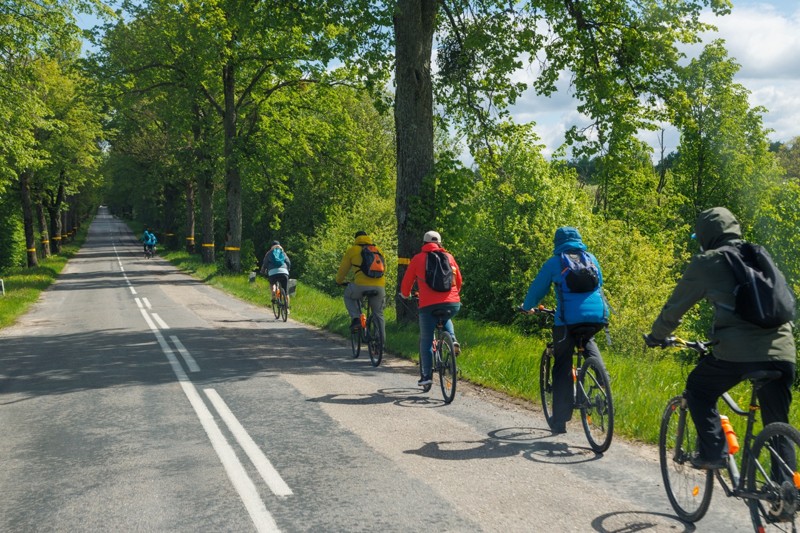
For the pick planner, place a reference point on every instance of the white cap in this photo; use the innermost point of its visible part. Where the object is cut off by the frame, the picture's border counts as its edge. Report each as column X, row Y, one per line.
column 432, row 236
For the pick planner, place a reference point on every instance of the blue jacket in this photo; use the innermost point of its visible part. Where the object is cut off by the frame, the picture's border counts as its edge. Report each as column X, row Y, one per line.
column 572, row 307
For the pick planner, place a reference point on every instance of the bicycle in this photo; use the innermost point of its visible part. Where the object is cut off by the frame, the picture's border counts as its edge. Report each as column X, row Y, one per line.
column 767, row 481
column 280, row 302
column 368, row 331
column 591, row 393
column 444, row 355
column 149, row 251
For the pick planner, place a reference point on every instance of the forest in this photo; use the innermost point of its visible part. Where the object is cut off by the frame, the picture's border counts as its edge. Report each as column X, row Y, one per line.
column 223, row 125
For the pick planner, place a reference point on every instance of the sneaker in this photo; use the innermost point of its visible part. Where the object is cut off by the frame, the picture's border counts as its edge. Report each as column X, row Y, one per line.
column 355, row 324
column 558, row 429
column 456, row 348
column 707, row 464
column 425, row 382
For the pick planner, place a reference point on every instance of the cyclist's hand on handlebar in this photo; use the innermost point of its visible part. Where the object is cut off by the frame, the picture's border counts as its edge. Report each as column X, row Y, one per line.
column 653, row 342
column 521, row 309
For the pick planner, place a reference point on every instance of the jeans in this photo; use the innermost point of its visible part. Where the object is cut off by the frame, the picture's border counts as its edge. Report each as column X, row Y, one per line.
column 427, row 325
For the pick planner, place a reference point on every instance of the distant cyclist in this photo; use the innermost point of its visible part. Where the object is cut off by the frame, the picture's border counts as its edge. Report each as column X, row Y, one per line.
column 150, row 241
column 276, row 266
column 363, row 260
column 578, row 281
column 439, row 286
column 146, row 237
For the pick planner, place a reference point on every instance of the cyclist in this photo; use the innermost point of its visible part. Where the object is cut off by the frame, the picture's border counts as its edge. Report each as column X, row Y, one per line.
column 743, row 347
column 578, row 282
column 352, row 265
column 146, row 239
column 431, row 300
column 275, row 266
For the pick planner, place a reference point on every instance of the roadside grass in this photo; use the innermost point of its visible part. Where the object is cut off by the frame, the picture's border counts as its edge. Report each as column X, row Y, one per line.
column 24, row 285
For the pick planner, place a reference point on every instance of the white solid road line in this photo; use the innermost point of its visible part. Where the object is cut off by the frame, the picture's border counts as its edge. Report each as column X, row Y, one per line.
column 261, row 517
column 160, row 321
column 187, row 357
column 268, row 473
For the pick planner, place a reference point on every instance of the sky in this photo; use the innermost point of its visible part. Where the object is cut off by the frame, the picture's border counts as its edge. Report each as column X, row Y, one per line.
column 764, row 38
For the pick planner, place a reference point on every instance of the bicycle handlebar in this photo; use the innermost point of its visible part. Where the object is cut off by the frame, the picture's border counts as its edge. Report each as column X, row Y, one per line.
column 701, row 347
column 536, row 310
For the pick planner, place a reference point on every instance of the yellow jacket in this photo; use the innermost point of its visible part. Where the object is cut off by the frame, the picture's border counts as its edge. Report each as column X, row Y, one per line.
column 352, row 262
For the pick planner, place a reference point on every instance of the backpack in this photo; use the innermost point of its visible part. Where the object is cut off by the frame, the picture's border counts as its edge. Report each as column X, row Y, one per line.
column 276, row 258
column 372, row 264
column 578, row 271
column 438, row 271
column 762, row 295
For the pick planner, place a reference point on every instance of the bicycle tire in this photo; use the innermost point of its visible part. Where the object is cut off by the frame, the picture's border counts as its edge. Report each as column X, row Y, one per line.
column 283, row 305
column 596, row 404
column 779, row 511
column 276, row 310
column 689, row 490
column 447, row 367
column 546, row 385
column 374, row 341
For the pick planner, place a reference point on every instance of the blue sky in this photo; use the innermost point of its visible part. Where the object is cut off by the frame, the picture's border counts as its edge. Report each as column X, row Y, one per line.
column 762, row 35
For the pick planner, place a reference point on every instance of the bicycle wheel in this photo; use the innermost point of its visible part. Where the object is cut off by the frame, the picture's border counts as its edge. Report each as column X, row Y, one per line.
column 355, row 341
column 546, row 385
column 596, row 404
column 688, row 489
column 276, row 309
column 447, row 369
column 772, row 475
column 375, row 341
column 283, row 305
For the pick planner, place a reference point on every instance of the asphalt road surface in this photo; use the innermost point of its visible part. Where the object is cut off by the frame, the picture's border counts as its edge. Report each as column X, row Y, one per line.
column 135, row 398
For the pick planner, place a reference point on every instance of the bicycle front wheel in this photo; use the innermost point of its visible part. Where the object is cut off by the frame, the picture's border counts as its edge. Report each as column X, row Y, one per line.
column 688, row 489
column 772, row 475
column 447, row 367
column 375, row 341
column 546, row 385
column 355, row 341
column 597, row 407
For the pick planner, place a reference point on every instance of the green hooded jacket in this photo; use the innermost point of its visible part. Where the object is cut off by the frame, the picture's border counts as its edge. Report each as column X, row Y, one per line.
column 709, row 276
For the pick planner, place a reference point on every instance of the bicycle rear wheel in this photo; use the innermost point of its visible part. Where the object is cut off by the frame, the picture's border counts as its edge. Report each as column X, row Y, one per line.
column 597, row 407
column 546, row 385
column 283, row 305
column 375, row 343
column 772, row 473
column 276, row 309
column 447, row 367
column 688, row 489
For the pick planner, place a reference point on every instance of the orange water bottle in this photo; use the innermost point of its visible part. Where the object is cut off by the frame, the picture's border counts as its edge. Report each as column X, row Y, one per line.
column 363, row 318
column 733, row 442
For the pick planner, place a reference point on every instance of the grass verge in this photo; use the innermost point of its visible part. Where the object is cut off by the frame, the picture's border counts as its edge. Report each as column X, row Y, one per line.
column 24, row 285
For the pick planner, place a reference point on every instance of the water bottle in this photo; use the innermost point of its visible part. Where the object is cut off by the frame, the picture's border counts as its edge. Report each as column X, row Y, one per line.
column 730, row 435
column 363, row 318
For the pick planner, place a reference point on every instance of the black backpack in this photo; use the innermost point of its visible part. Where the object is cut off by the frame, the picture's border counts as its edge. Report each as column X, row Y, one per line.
column 372, row 264
column 762, row 295
column 579, row 272
column 438, row 271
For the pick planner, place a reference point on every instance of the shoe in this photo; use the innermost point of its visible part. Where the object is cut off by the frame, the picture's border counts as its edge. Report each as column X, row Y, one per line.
column 425, row 382
column 355, row 324
column 559, row 429
column 456, row 348
column 707, row 464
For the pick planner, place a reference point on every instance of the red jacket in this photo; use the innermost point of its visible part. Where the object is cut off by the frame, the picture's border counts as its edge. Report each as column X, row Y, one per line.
column 416, row 272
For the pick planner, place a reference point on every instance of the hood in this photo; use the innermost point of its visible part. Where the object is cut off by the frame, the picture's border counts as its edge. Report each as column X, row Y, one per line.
column 716, row 227
column 567, row 238
column 363, row 239
column 430, row 246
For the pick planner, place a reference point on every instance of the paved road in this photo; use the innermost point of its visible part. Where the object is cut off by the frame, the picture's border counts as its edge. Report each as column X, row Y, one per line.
column 135, row 398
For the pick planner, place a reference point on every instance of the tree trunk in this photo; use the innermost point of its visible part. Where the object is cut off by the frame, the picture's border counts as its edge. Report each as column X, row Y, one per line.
column 171, row 197
column 233, row 180
column 27, row 217
column 414, row 22
column 190, row 216
column 207, row 216
column 57, row 228
column 45, row 238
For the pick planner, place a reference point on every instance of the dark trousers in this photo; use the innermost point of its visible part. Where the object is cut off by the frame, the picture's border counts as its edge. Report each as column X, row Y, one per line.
column 564, row 346
column 712, row 377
